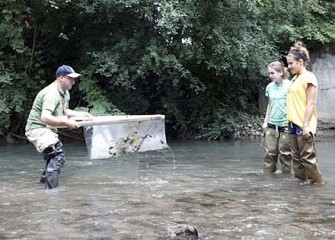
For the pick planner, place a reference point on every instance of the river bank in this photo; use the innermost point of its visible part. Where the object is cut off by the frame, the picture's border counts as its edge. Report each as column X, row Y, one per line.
column 247, row 131
column 326, row 129
column 253, row 131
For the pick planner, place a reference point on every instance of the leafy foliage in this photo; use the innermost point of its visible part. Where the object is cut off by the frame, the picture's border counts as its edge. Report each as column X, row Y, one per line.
column 201, row 63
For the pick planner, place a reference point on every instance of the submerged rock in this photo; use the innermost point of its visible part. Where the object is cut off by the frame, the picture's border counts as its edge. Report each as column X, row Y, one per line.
column 182, row 232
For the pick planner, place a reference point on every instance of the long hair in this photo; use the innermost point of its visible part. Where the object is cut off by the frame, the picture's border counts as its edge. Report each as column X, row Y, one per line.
column 279, row 67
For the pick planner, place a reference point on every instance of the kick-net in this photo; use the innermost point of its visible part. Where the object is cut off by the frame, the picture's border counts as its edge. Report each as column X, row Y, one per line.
column 113, row 136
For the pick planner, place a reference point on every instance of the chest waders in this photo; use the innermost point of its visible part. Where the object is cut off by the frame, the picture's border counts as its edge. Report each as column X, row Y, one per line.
column 54, row 158
column 305, row 162
column 277, row 147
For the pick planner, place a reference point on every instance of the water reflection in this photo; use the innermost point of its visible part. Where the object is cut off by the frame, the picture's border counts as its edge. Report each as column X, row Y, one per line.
column 217, row 187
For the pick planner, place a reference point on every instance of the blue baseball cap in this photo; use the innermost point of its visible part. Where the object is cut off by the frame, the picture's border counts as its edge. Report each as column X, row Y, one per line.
column 66, row 70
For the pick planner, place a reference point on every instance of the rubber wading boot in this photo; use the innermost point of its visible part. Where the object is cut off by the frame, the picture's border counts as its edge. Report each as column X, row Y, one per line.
column 56, row 160
column 51, row 180
column 47, row 154
column 42, row 179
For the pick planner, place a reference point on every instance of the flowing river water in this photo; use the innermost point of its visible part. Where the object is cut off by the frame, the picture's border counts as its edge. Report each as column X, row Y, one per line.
column 217, row 187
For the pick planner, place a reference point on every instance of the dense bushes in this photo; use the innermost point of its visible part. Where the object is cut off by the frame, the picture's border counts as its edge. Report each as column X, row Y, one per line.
column 201, row 63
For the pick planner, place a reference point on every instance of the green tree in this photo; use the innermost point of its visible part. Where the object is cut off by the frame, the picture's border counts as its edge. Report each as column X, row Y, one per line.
column 202, row 63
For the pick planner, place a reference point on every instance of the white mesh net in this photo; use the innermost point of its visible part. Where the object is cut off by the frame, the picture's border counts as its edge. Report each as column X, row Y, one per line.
column 113, row 136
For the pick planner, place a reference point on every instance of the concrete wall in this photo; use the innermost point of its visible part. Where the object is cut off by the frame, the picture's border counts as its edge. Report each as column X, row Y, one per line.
column 323, row 66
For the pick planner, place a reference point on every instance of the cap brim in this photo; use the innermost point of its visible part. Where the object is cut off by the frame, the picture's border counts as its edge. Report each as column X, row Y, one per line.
column 73, row 75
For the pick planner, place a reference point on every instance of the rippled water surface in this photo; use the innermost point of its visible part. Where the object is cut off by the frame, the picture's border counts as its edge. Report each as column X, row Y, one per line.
column 217, row 187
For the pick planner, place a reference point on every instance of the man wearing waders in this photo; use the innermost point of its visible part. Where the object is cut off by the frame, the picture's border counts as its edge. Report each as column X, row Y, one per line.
column 50, row 108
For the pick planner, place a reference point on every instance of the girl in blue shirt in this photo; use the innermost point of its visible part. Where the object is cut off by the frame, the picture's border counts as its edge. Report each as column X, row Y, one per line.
column 275, row 121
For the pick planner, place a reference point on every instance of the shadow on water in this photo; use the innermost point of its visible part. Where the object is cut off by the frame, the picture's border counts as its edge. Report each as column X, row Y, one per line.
column 217, row 187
